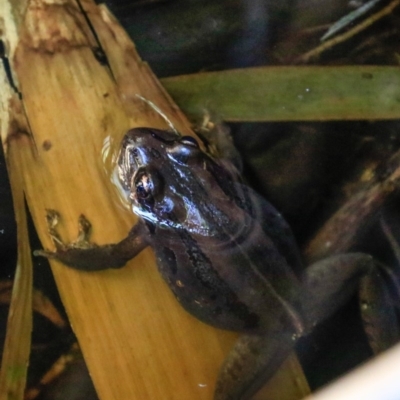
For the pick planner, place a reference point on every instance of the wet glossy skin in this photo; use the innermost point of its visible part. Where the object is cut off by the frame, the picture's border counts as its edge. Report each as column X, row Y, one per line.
column 226, row 253
column 211, row 248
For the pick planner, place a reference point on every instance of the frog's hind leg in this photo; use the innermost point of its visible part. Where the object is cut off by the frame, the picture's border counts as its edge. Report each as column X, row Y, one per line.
column 329, row 283
column 379, row 303
column 253, row 361
column 379, row 297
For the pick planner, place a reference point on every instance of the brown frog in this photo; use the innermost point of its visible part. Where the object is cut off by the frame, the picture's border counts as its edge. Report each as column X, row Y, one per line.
column 226, row 253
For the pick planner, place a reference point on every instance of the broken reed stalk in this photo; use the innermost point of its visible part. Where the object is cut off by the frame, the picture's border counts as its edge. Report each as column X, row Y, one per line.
column 137, row 341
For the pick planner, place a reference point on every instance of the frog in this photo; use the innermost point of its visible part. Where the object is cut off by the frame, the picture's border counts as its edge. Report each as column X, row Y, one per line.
column 225, row 252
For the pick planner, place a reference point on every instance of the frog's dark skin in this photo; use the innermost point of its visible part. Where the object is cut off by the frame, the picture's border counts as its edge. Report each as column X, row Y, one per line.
column 227, row 254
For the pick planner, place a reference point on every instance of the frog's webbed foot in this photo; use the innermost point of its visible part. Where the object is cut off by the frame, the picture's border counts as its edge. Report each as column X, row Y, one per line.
column 85, row 255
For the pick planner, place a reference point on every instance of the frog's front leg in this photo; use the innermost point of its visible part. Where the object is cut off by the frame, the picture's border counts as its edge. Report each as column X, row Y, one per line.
column 84, row 255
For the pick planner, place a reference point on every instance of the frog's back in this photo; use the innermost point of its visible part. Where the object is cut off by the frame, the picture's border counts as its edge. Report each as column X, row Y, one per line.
column 230, row 277
column 224, row 252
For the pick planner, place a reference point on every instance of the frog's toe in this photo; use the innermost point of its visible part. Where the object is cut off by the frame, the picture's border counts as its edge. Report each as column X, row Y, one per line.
column 52, row 219
column 84, row 229
column 66, row 251
column 45, row 253
column 379, row 311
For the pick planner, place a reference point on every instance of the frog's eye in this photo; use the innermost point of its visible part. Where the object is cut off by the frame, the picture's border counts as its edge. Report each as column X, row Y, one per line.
column 183, row 150
column 143, row 187
column 189, row 141
column 147, row 184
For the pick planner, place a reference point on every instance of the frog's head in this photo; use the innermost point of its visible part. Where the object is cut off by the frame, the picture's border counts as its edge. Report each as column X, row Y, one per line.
column 170, row 181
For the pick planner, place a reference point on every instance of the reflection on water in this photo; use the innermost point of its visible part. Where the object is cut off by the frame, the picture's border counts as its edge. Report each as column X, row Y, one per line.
column 111, row 150
column 159, row 112
column 109, row 155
